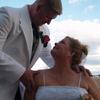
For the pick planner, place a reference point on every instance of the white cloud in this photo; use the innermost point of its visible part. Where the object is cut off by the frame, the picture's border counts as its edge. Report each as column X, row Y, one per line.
column 95, row 69
column 73, row 1
column 86, row 31
column 97, row 20
column 89, row 8
column 76, row 1
column 98, row 50
column 93, row 59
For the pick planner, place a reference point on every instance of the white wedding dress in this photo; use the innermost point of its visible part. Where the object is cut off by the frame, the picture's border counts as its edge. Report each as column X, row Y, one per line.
column 60, row 92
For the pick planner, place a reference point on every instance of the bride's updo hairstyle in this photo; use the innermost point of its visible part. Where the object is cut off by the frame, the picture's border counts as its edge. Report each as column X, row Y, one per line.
column 79, row 51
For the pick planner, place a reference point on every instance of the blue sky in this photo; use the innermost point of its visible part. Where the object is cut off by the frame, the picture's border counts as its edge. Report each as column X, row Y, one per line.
column 82, row 9
column 75, row 9
column 81, row 20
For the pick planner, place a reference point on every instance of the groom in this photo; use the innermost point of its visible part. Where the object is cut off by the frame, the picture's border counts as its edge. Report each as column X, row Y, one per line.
column 20, row 45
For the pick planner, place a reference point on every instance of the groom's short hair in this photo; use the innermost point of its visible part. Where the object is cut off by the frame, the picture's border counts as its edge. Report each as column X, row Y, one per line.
column 54, row 5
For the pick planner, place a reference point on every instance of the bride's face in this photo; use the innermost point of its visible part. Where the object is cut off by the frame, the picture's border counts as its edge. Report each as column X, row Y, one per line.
column 61, row 49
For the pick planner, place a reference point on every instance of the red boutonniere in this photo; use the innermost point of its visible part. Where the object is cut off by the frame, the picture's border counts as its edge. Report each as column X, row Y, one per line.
column 44, row 39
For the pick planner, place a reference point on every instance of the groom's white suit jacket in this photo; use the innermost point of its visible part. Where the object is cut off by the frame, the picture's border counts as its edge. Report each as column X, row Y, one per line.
column 16, row 40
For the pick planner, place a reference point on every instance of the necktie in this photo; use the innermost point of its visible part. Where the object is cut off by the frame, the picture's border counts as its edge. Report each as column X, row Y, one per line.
column 35, row 41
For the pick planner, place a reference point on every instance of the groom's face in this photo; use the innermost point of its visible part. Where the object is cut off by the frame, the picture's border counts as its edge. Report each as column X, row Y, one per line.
column 44, row 16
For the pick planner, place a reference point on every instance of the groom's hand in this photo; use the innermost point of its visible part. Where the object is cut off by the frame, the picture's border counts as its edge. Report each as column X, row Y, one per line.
column 28, row 80
column 80, row 68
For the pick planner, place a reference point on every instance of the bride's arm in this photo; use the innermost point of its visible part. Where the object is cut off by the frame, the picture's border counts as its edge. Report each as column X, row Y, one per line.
column 93, row 88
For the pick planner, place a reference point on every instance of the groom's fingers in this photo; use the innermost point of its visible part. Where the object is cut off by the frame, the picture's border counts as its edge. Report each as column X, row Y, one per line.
column 30, row 80
column 27, row 77
column 83, row 69
column 89, row 72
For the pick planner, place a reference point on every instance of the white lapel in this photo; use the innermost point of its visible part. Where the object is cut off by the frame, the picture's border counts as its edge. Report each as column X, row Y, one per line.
column 26, row 28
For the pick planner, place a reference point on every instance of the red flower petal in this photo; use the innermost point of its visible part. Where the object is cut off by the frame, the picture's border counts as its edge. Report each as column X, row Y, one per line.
column 46, row 39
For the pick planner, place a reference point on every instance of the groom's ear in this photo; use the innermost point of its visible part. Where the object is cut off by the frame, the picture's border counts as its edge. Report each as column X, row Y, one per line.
column 39, row 7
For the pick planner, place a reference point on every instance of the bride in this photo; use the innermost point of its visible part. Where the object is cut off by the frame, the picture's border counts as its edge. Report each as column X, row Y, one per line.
column 61, row 82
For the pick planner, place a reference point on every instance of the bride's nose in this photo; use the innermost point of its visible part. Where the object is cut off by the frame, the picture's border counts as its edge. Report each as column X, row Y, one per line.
column 56, row 43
